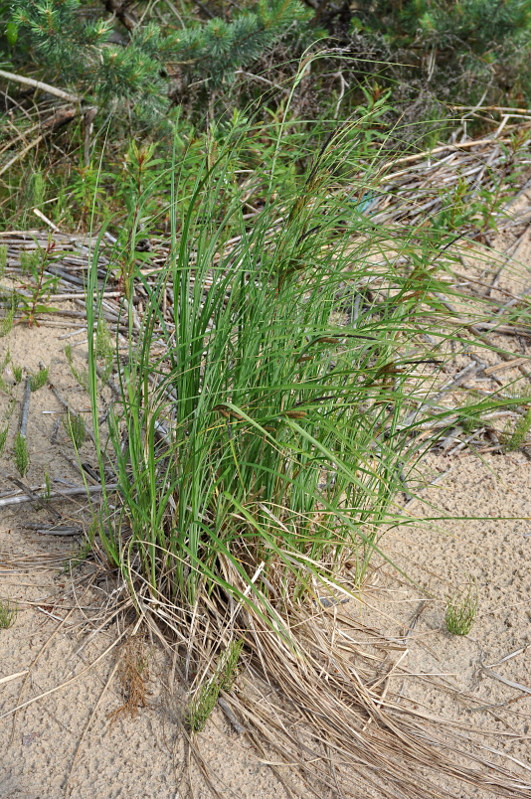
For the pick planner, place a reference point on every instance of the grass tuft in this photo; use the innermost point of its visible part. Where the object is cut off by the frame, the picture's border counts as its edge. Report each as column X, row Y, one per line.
column 8, row 613
column 461, row 610
column 269, row 412
column 38, row 380
column 277, row 387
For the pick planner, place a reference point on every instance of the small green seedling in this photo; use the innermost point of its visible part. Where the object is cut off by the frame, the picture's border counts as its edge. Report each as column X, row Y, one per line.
column 201, row 706
column 36, row 285
column 21, row 454
column 75, row 427
column 47, row 486
column 514, row 439
column 228, row 665
column 205, row 700
column 4, row 386
column 3, row 438
column 461, row 610
column 8, row 314
column 17, row 373
column 38, row 379
column 8, row 613
column 81, row 377
column 5, row 360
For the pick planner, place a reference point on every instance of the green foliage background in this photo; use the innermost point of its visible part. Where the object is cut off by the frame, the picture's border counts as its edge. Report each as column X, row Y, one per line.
column 141, row 57
column 164, row 74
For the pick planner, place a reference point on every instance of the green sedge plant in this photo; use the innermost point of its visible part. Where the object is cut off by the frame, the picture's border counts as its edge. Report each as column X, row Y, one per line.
column 270, row 408
column 270, row 443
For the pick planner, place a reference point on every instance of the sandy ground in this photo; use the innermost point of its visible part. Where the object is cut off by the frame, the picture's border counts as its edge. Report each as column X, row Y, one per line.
column 466, row 679
column 58, row 661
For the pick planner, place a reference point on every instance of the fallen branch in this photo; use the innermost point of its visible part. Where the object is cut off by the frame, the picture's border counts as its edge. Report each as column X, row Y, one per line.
column 68, row 492
column 58, row 119
column 37, row 84
column 25, row 408
column 34, row 497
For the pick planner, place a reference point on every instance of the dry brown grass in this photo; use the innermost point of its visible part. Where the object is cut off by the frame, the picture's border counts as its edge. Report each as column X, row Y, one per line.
column 133, row 674
column 314, row 698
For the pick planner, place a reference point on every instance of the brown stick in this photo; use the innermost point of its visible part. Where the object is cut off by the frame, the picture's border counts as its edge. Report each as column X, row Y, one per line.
column 53, row 513
column 37, row 84
column 58, row 119
column 67, row 492
column 25, row 408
